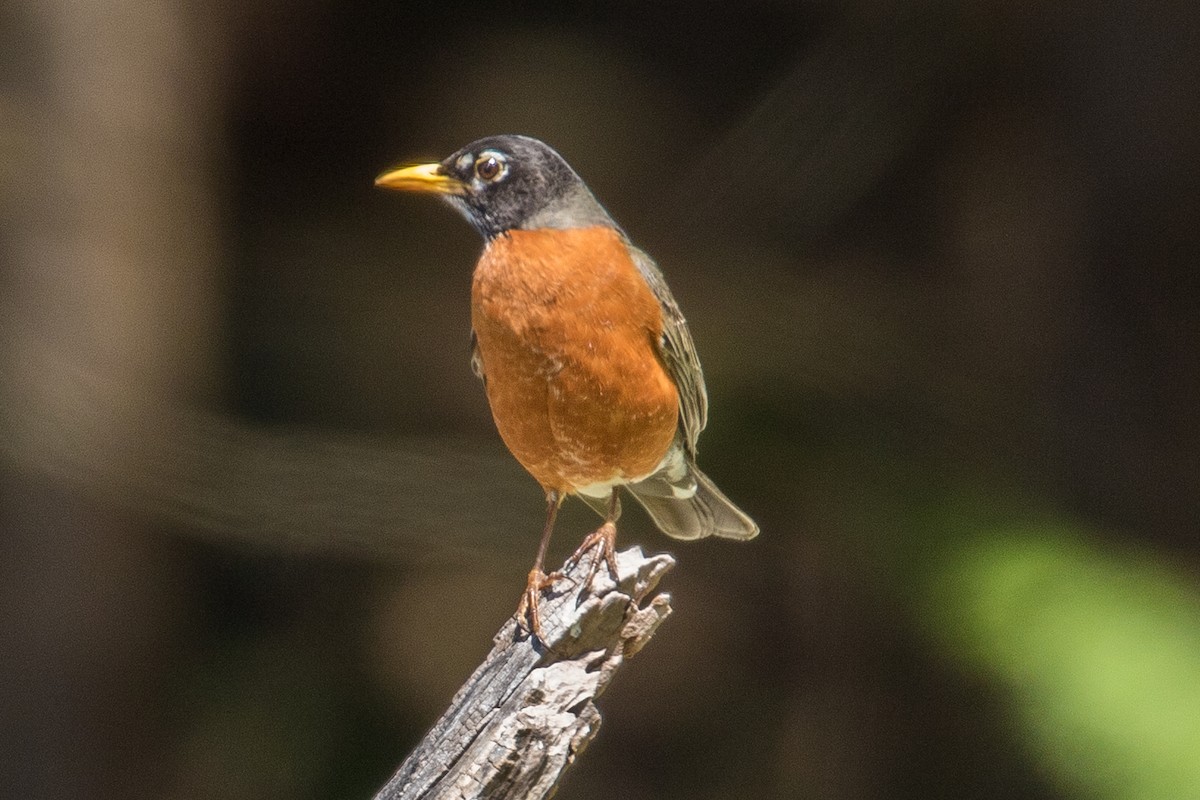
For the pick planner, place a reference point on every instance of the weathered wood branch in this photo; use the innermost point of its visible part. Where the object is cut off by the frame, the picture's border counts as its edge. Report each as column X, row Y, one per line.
column 518, row 723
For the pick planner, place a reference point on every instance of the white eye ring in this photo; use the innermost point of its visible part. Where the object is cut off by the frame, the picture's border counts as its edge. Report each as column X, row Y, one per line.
column 491, row 166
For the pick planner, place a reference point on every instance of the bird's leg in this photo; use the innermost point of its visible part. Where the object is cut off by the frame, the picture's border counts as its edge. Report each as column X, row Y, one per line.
column 539, row 580
column 606, row 537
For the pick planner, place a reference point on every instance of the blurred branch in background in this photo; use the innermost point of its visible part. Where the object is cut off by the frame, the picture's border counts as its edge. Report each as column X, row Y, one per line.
column 830, row 131
column 232, row 482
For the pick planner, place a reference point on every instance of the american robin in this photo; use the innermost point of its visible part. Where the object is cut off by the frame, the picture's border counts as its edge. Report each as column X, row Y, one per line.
column 587, row 362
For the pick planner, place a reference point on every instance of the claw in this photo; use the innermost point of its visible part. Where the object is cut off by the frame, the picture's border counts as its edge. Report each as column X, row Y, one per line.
column 528, row 617
column 606, row 537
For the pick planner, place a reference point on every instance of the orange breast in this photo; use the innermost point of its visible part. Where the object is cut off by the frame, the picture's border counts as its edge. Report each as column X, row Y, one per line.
column 567, row 332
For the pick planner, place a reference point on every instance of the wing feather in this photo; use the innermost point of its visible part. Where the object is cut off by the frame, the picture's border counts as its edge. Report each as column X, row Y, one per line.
column 476, row 360
column 678, row 353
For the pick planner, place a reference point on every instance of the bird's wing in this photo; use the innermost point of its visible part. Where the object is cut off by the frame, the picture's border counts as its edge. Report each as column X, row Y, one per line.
column 678, row 353
column 476, row 361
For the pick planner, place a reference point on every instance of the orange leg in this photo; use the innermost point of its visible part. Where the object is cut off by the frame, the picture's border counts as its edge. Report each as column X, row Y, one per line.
column 606, row 537
column 527, row 611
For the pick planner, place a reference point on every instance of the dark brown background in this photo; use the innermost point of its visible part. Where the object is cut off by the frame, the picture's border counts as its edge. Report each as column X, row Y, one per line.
column 940, row 263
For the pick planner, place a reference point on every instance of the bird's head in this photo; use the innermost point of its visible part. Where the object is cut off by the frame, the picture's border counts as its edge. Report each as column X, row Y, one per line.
column 501, row 183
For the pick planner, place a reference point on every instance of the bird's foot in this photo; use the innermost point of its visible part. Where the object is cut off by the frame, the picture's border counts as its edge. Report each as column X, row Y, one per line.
column 528, row 617
column 606, row 537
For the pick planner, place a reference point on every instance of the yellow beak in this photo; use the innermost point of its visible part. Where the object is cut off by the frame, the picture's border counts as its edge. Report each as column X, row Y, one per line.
column 421, row 178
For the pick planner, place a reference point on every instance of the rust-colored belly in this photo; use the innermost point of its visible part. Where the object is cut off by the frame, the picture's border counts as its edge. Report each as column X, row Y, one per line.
column 567, row 331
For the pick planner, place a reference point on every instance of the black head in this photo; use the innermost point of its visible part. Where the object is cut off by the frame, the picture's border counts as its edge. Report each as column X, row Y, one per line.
column 504, row 182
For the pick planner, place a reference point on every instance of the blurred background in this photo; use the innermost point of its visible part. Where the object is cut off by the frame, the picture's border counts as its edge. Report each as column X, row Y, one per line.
column 939, row 260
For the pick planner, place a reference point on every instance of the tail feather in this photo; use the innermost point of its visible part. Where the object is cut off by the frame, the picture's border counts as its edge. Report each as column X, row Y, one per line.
column 692, row 508
column 683, row 501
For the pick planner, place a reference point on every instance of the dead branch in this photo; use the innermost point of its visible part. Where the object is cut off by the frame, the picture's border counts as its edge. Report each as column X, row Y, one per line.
column 518, row 723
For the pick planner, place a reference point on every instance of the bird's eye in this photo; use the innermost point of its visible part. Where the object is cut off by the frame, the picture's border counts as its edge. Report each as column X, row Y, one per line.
column 489, row 166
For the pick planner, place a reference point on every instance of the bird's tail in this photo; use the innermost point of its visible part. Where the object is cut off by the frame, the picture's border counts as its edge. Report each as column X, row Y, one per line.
column 691, row 506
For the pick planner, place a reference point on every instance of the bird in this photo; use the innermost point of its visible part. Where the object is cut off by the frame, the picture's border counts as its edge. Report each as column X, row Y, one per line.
column 587, row 362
